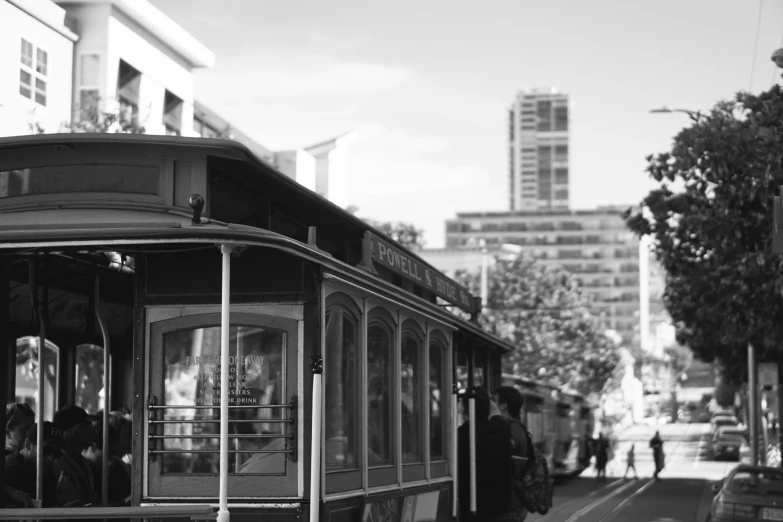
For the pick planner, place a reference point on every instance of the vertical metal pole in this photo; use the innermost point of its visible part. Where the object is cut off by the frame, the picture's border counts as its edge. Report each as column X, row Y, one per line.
column 315, row 445
column 240, row 368
column 225, row 325
column 472, row 426
column 40, row 407
column 39, row 416
column 5, row 344
column 484, row 276
column 454, row 426
column 106, row 394
column 778, row 426
column 753, row 406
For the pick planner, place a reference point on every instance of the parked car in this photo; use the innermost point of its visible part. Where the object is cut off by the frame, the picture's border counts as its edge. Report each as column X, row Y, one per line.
column 727, row 441
column 748, row 493
column 718, row 422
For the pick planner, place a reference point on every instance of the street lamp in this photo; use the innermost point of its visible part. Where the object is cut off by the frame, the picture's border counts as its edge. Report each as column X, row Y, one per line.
column 777, row 57
column 694, row 115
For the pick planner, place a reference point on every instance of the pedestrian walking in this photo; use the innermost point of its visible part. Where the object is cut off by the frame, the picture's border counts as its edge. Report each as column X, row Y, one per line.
column 658, row 456
column 631, row 462
column 601, row 457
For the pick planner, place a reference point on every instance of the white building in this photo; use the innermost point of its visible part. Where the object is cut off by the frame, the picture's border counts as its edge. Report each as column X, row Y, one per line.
column 538, row 150
column 69, row 61
column 132, row 57
column 594, row 245
column 36, row 63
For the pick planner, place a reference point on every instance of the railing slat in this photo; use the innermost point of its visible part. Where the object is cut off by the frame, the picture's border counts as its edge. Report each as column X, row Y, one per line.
column 195, row 512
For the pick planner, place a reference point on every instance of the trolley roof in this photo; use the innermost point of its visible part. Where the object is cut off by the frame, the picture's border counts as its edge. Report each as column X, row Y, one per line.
column 127, row 189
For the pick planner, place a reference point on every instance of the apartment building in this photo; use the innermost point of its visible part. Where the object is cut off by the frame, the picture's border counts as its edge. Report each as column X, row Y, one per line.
column 538, row 139
column 36, row 63
column 594, row 245
column 133, row 59
column 67, row 63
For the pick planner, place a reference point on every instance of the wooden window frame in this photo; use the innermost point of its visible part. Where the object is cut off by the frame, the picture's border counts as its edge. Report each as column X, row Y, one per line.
column 344, row 480
column 415, row 471
column 385, row 474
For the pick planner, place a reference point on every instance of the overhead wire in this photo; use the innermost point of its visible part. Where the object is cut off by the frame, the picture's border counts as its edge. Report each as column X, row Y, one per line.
column 756, row 45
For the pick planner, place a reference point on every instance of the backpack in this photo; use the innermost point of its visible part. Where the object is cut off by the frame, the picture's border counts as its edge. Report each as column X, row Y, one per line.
column 533, row 486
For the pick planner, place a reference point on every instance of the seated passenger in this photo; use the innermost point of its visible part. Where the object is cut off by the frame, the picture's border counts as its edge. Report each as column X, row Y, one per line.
column 75, row 483
column 22, row 476
column 121, row 421
column 13, row 498
column 119, row 479
column 19, row 418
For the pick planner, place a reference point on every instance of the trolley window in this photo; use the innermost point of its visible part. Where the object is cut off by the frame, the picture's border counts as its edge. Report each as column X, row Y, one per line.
column 70, row 179
column 410, row 375
column 341, row 407
column 412, row 406
column 439, row 404
column 27, row 374
column 381, row 441
column 184, row 406
column 438, row 397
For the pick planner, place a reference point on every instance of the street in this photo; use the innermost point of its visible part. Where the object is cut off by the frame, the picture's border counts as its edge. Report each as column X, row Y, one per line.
column 682, row 494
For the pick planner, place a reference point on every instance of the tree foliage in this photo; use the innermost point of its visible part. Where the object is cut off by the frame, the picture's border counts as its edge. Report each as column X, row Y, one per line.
column 545, row 313
column 712, row 233
column 403, row 232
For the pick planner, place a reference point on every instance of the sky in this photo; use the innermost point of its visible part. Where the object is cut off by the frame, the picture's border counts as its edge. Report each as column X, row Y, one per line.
column 427, row 86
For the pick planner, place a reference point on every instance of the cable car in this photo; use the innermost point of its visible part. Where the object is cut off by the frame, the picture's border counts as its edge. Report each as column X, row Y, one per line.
column 277, row 357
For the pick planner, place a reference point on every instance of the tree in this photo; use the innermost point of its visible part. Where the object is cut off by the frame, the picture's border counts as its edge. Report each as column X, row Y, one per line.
column 712, row 234
column 545, row 314
column 403, row 232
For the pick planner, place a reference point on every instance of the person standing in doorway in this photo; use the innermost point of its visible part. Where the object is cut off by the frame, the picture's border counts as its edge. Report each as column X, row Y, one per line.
column 631, row 463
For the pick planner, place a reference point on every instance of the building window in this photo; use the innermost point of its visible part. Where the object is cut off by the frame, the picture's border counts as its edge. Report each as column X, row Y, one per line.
column 33, row 72
column 561, row 153
column 128, row 88
column 511, row 125
column 561, row 175
column 340, row 377
column 410, row 377
column 561, row 118
column 544, row 116
column 89, row 87
column 172, row 114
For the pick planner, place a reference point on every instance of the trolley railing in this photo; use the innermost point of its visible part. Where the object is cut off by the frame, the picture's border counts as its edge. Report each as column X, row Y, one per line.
column 289, row 434
column 194, row 511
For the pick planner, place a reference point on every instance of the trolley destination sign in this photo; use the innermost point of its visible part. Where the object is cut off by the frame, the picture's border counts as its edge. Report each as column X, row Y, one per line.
column 402, row 264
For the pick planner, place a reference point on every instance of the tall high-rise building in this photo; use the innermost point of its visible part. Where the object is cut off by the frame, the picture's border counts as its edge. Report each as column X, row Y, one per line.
column 538, row 151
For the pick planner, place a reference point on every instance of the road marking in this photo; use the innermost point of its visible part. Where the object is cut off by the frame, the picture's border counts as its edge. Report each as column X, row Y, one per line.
column 593, row 505
column 619, row 506
column 562, row 505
